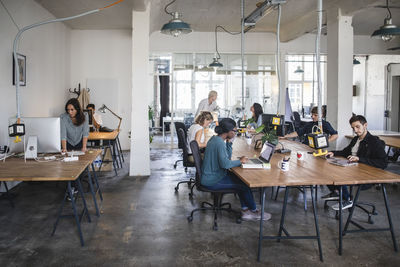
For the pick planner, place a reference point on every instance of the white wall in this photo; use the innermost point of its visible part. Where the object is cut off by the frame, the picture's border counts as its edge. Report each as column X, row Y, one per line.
column 103, row 59
column 47, row 54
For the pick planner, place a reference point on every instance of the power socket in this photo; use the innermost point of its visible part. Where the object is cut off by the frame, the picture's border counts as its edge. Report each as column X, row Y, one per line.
column 68, row 159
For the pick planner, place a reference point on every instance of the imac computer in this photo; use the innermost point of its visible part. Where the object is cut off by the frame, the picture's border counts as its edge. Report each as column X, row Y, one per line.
column 45, row 130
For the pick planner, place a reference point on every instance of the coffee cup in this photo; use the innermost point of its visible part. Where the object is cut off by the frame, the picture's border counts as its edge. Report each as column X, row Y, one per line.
column 301, row 155
column 284, row 165
column 248, row 140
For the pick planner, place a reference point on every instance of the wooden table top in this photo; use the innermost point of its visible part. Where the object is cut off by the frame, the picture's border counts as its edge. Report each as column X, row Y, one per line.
column 103, row 135
column 310, row 171
column 392, row 141
column 15, row 169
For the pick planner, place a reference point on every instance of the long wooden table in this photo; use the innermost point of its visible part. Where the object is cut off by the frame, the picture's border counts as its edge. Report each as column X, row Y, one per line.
column 110, row 141
column 309, row 172
column 16, row 169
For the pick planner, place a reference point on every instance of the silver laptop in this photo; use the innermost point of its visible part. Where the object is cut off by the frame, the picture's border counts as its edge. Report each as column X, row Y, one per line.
column 341, row 162
column 265, row 156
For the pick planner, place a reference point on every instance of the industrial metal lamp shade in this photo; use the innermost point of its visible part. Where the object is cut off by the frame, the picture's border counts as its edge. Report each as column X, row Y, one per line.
column 387, row 32
column 216, row 64
column 104, row 108
column 356, row 61
column 298, row 70
column 176, row 26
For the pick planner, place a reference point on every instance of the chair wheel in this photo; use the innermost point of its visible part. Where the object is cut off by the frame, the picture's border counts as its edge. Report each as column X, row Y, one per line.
column 190, row 195
column 190, row 218
column 215, row 228
column 174, row 166
column 370, row 221
column 337, row 215
column 239, row 220
column 176, row 189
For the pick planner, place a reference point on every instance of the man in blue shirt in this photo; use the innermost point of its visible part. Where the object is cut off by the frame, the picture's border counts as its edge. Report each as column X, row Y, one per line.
column 307, row 129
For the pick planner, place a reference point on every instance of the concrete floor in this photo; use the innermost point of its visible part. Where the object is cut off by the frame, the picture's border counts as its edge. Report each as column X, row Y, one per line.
column 144, row 224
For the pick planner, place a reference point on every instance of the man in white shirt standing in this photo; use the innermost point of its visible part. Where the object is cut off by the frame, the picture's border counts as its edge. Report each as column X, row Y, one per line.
column 208, row 104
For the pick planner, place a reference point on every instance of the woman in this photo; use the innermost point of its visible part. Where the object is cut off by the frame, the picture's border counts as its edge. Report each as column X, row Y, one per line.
column 257, row 111
column 199, row 129
column 217, row 161
column 74, row 127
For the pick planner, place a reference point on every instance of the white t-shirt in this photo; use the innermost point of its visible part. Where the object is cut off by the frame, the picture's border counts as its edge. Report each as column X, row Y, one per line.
column 354, row 149
column 191, row 135
column 205, row 106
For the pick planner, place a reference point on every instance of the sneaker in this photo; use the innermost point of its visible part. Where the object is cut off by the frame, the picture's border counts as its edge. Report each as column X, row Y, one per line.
column 331, row 196
column 345, row 205
column 254, row 216
column 74, row 193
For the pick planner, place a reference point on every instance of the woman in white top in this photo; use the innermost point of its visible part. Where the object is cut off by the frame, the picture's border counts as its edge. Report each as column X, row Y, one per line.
column 199, row 129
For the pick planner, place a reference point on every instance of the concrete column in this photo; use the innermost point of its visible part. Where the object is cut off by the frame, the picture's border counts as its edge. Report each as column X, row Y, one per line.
column 340, row 74
column 140, row 147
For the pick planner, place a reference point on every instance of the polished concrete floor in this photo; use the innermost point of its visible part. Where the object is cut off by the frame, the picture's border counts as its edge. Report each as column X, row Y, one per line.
column 143, row 223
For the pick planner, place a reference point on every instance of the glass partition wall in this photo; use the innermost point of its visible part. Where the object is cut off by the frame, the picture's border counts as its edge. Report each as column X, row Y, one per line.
column 191, row 79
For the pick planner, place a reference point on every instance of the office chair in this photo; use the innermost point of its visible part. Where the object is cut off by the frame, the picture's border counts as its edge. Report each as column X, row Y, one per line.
column 296, row 120
column 217, row 205
column 186, row 162
column 180, row 125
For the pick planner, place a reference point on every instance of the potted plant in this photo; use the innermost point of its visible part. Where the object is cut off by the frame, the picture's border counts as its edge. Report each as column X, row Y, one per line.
column 269, row 134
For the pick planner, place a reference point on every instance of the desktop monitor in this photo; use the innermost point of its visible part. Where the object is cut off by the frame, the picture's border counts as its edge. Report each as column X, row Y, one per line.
column 48, row 134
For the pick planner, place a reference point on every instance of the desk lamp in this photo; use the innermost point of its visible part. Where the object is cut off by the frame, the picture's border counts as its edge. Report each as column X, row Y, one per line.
column 104, row 108
column 318, row 140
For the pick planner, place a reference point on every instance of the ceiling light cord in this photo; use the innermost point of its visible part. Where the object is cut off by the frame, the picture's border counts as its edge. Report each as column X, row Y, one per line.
column 9, row 14
column 387, row 6
column 278, row 51
column 216, row 39
column 165, row 8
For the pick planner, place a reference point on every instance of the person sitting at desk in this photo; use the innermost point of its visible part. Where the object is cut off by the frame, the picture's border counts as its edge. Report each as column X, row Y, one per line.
column 308, row 127
column 257, row 111
column 96, row 117
column 198, row 131
column 74, row 127
column 217, row 161
column 364, row 148
column 208, row 104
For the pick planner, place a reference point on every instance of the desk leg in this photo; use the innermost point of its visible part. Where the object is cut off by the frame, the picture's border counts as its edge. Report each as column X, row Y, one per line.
column 260, row 235
column 67, row 192
column 281, row 228
column 117, row 154
column 340, row 220
column 120, row 149
column 97, row 182
column 92, row 191
column 389, row 217
column 316, row 223
column 352, row 210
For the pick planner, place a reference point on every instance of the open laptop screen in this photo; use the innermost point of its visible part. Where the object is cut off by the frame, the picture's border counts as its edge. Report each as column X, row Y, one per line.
column 267, row 151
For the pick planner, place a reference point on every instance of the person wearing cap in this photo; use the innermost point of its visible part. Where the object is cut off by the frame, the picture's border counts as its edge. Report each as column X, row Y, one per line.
column 215, row 169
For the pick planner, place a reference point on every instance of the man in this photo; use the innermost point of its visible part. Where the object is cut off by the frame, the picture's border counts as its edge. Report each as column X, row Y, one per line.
column 208, row 104
column 364, row 148
column 307, row 129
column 96, row 118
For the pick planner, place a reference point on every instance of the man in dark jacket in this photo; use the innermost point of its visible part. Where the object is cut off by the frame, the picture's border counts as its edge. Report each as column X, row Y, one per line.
column 364, row 148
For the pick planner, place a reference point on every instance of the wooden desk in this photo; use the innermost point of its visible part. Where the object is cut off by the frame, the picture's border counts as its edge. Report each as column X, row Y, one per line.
column 384, row 133
column 311, row 171
column 112, row 142
column 15, row 169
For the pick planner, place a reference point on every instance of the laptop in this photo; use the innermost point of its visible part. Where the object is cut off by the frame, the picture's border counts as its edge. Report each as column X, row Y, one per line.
column 265, row 156
column 341, row 162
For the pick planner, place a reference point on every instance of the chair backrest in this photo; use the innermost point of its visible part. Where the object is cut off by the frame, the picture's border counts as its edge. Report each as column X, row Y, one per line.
column 180, row 125
column 194, row 146
column 185, row 151
column 296, row 116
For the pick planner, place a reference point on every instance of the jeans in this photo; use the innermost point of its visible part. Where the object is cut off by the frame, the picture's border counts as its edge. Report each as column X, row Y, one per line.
column 345, row 191
column 230, row 181
column 76, row 147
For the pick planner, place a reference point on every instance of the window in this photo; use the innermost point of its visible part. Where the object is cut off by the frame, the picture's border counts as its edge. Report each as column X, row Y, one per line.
column 303, row 86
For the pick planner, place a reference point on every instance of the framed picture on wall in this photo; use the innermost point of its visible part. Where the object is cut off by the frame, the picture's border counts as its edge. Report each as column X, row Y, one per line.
column 21, row 69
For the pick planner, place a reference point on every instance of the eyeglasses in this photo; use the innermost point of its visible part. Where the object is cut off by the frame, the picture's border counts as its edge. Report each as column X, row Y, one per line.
column 234, row 130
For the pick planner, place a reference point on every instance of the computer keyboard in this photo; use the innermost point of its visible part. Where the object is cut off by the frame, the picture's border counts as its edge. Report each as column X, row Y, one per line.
column 256, row 161
column 75, row 153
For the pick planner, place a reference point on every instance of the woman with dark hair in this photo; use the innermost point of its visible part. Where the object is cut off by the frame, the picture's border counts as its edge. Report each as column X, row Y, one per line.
column 217, row 161
column 74, row 127
column 257, row 111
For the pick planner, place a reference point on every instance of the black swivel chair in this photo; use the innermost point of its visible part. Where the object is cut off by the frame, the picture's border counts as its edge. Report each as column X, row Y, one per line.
column 296, row 120
column 217, row 205
column 185, row 160
column 180, row 125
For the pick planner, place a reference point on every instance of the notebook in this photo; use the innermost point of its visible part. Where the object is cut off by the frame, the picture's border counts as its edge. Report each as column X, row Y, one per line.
column 265, row 156
column 341, row 162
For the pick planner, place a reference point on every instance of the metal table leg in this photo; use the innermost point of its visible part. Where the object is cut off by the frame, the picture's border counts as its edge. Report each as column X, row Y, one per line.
column 120, row 149
column 92, row 191
column 340, row 220
column 97, row 182
column 260, row 234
